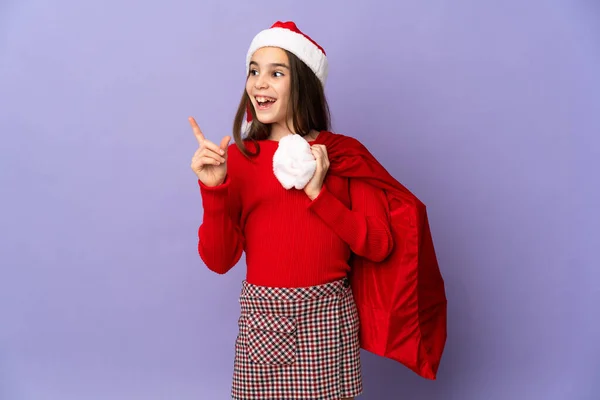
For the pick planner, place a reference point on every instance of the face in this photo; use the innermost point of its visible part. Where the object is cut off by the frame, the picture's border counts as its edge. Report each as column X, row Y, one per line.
column 268, row 85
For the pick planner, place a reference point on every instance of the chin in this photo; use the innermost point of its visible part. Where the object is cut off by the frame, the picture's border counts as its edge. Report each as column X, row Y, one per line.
column 267, row 120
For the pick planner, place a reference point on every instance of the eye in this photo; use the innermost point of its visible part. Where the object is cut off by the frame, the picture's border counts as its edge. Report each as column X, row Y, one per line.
column 253, row 72
column 277, row 74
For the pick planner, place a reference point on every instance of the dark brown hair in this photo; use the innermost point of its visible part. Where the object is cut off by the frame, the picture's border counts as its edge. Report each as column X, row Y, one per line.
column 307, row 105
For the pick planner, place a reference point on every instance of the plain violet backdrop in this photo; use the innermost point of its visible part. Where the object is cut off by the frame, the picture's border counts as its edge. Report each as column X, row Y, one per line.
column 488, row 111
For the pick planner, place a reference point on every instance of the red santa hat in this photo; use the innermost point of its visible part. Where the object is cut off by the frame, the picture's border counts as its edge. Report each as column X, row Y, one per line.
column 287, row 36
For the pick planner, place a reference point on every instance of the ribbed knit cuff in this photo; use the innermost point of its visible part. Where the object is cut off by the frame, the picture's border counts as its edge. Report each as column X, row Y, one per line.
column 329, row 208
column 214, row 198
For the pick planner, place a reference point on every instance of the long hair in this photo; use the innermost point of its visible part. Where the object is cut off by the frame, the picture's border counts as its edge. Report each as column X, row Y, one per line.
column 308, row 107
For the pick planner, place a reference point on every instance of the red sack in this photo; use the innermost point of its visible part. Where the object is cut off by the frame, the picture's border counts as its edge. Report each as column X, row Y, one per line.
column 401, row 301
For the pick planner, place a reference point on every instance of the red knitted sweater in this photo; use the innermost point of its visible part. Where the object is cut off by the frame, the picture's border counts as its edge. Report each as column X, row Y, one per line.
column 289, row 240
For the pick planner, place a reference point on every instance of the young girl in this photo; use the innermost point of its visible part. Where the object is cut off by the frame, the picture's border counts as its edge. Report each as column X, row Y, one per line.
column 270, row 195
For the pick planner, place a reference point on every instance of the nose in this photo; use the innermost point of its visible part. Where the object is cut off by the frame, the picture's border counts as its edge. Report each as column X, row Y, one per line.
column 260, row 82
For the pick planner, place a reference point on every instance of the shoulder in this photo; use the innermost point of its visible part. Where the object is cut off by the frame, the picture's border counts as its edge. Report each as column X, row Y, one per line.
column 341, row 139
column 236, row 158
column 234, row 152
column 342, row 144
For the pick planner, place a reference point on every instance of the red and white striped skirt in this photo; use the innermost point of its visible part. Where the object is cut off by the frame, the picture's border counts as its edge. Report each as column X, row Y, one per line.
column 297, row 343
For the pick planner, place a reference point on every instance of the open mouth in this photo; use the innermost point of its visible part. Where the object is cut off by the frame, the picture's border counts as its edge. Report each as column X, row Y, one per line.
column 264, row 102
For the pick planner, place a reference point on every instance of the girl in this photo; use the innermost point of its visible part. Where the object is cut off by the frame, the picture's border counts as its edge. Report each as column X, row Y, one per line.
column 270, row 195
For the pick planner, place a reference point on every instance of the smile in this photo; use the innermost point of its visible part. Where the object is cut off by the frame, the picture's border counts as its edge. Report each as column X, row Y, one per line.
column 264, row 102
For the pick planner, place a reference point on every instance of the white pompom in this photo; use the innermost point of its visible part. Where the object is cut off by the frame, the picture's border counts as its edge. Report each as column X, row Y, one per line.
column 293, row 162
column 245, row 127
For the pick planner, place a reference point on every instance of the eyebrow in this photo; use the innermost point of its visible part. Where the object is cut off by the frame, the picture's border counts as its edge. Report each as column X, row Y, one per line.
column 282, row 65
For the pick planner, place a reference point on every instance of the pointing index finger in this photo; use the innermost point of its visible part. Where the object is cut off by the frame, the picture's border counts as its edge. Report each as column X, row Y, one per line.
column 197, row 132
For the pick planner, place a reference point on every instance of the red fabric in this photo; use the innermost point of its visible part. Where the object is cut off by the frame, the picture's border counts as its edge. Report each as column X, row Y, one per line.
column 292, row 27
column 401, row 300
column 289, row 240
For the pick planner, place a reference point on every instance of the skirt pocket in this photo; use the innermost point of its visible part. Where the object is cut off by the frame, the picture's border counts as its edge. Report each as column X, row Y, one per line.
column 271, row 339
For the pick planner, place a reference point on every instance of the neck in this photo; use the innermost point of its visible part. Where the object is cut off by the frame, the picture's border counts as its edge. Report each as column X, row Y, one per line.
column 279, row 130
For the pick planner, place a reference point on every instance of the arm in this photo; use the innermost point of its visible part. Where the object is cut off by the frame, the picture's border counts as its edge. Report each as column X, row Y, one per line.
column 365, row 227
column 220, row 240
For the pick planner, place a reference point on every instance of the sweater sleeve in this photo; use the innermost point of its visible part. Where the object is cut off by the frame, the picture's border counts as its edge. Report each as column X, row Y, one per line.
column 365, row 227
column 220, row 240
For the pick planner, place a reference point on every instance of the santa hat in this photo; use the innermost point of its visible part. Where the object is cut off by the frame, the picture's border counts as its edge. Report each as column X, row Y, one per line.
column 287, row 36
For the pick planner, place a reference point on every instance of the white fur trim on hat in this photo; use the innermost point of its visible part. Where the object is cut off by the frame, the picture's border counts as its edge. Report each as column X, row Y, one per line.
column 295, row 43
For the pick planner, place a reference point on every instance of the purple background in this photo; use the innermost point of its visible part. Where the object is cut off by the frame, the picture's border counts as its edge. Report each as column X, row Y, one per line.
column 489, row 112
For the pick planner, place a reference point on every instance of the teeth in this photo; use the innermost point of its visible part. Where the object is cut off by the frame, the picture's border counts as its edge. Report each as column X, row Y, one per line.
column 264, row 99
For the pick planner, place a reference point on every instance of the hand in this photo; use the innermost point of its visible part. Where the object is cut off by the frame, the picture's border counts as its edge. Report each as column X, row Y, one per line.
column 209, row 162
column 314, row 186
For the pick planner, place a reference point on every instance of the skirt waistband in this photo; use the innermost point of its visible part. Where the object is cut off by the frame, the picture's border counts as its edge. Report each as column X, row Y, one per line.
column 297, row 293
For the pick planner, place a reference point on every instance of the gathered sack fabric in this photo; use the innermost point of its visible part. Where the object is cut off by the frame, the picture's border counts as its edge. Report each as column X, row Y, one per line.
column 297, row 343
column 401, row 300
column 293, row 162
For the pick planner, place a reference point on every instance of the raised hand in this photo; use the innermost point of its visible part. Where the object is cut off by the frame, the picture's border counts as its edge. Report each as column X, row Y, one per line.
column 209, row 162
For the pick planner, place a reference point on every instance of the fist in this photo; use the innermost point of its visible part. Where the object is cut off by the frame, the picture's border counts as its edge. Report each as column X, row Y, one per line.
column 314, row 186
